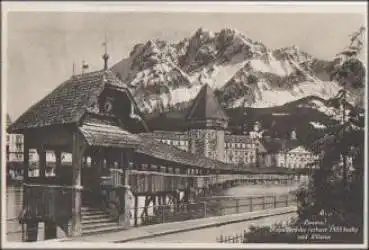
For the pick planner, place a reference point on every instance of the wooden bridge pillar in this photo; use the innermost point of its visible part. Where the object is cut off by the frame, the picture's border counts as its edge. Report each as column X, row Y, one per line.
column 154, row 204
column 97, row 162
column 77, row 154
column 25, row 160
column 42, row 160
column 31, row 232
column 164, row 197
column 50, row 230
column 136, row 211
column 27, row 233
column 125, row 160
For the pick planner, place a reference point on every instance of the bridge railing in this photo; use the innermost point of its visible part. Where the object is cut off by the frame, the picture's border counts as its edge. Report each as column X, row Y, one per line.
column 236, row 238
column 212, row 207
column 143, row 182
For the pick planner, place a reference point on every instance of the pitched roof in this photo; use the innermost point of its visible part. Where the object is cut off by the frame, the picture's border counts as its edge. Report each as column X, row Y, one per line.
column 166, row 135
column 104, row 134
column 162, row 151
column 68, row 102
column 205, row 106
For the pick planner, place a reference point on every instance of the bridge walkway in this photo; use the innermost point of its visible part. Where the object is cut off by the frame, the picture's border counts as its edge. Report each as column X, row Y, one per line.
column 152, row 231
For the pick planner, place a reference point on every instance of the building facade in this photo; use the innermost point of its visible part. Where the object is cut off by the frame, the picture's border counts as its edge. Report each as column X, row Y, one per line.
column 238, row 149
column 176, row 139
column 207, row 134
column 244, row 150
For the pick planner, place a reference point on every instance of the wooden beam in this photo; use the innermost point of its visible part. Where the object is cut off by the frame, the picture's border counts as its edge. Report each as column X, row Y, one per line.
column 99, row 161
column 42, row 160
column 58, row 163
column 136, row 211
column 125, row 158
column 53, row 136
column 25, row 159
column 25, row 233
column 78, row 151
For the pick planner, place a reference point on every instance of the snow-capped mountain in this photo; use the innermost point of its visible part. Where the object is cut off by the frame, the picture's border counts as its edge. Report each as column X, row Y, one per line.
column 243, row 72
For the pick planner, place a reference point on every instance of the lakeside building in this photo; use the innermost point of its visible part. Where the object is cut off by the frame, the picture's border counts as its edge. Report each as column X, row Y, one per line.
column 207, row 133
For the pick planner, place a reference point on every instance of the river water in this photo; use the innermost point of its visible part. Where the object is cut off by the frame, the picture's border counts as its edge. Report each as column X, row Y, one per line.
column 14, row 198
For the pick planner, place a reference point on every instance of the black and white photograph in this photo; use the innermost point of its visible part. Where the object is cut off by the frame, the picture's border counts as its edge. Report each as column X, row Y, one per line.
column 177, row 124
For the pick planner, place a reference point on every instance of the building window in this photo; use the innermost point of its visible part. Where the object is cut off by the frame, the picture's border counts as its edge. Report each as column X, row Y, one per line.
column 19, row 147
column 19, row 156
column 19, row 138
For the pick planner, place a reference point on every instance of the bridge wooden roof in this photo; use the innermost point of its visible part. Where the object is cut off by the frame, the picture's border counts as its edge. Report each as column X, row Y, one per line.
column 108, row 135
column 107, row 132
column 69, row 102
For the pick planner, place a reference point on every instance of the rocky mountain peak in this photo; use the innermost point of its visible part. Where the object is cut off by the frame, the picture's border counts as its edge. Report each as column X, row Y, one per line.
column 241, row 70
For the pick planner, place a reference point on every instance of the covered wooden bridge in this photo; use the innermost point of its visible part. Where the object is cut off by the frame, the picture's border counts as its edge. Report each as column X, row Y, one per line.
column 94, row 116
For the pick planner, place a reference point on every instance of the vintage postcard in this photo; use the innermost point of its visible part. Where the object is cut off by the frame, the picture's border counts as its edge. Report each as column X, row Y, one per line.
column 184, row 125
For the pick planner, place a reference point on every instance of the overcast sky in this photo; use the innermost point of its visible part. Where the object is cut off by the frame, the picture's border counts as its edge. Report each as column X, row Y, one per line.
column 43, row 46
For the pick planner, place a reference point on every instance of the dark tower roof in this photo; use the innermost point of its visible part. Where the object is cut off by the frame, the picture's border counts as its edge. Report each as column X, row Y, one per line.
column 206, row 107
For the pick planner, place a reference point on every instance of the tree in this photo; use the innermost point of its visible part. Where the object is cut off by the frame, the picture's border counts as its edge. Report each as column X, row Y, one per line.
column 335, row 192
column 351, row 71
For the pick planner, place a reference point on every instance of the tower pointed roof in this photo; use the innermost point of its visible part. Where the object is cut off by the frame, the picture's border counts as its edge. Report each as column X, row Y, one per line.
column 206, row 107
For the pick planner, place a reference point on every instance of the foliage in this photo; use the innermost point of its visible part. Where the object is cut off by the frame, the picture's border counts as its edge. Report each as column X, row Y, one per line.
column 334, row 195
column 351, row 72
